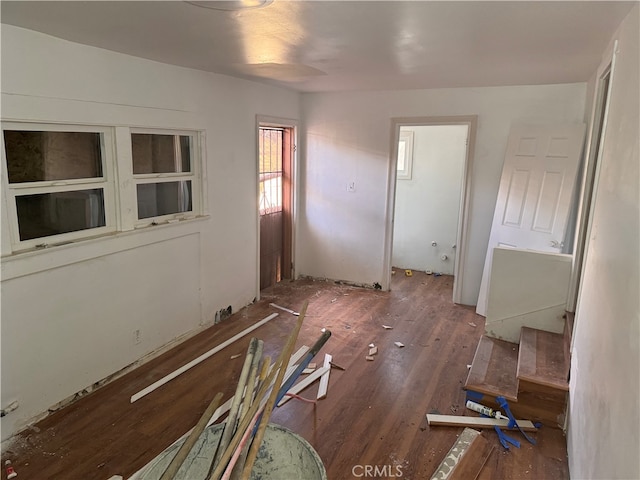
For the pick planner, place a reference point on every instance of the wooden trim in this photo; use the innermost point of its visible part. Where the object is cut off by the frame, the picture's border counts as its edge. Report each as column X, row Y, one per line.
column 475, row 422
column 287, row 202
column 324, row 381
column 298, row 387
column 204, row 356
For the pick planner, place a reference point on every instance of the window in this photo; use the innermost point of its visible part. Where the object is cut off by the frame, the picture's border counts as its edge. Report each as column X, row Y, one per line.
column 163, row 173
column 61, row 186
column 270, row 151
column 405, row 155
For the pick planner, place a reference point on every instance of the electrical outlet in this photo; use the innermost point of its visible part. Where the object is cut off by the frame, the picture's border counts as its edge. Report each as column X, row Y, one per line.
column 351, row 187
column 137, row 336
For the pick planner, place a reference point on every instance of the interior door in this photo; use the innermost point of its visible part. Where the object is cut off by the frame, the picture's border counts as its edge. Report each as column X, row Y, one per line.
column 535, row 193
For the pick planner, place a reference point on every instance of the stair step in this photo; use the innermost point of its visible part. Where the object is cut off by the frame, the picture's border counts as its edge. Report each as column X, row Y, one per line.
column 493, row 370
column 542, row 359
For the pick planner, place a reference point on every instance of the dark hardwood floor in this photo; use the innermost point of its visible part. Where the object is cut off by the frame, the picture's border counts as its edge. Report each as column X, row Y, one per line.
column 374, row 413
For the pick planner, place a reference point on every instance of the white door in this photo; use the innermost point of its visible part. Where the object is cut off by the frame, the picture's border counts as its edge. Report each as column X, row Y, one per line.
column 536, row 192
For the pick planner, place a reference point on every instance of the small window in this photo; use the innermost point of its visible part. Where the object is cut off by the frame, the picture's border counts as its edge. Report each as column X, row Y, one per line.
column 405, row 155
column 270, row 164
column 163, row 170
column 58, row 189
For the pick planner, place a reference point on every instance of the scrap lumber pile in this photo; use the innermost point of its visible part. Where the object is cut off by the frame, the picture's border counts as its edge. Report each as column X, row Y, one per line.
column 261, row 387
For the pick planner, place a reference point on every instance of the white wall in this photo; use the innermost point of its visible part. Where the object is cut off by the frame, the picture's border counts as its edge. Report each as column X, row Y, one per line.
column 348, row 140
column 604, row 438
column 68, row 313
column 428, row 204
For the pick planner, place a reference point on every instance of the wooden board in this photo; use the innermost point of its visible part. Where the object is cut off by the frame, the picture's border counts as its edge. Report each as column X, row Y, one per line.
column 493, row 370
column 542, row 360
column 475, row 422
column 466, row 458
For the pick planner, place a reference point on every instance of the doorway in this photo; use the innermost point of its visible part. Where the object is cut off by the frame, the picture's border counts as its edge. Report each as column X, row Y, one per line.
column 429, row 182
column 276, row 150
column 430, row 164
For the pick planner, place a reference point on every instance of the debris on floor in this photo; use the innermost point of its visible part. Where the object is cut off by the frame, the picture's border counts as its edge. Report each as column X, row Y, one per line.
column 310, row 368
column 466, row 458
column 473, row 324
column 398, row 344
column 373, row 350
column 233, row 357
column 337, row 367
column 369, row 358
column 408, row 273
column 11, row 473
column 387, row 327
column 288, row 310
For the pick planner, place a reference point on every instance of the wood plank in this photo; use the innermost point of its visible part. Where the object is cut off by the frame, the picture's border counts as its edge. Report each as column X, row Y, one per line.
column 542, row 360
column 475, row 422
column 324, row 380
column 167, row 378
column 473, row 461
column 304, row 383
column 493, row 370
column 465, row 459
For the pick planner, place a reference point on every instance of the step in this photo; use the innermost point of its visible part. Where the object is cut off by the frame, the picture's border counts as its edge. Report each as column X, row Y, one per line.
column 542, row 360
column 494, row 367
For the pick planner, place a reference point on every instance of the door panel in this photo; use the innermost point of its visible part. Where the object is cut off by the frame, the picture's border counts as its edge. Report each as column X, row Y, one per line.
column 270, row 249
column 535, row 192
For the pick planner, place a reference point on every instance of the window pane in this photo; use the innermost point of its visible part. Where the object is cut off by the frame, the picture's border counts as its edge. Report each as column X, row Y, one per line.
column 49, row 156
column 160, row 153
column 155, row 199
column 47, row 214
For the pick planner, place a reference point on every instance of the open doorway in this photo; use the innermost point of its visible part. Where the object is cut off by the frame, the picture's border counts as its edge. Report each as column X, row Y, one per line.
column 428, row 204
column 276, row 151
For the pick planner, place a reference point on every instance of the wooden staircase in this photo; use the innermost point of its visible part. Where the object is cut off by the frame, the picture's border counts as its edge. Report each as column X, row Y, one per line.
column 533, row 375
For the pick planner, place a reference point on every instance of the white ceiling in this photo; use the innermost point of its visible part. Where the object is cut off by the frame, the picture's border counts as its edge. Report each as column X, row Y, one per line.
column 315, row 46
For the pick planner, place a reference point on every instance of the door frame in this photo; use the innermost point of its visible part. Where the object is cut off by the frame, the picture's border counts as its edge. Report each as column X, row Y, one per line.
column 471, row 122
column 278, row 122
column 591, row 174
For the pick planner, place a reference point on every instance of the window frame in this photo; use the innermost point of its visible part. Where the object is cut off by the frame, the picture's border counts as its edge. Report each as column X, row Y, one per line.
column 106, row 182
column 194, row 176
column 118, row 183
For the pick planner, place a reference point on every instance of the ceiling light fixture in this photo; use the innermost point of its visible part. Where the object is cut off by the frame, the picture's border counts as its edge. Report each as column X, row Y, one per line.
column 232, row 5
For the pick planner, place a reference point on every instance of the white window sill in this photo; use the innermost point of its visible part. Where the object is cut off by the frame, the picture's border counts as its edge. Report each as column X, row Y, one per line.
column 28, row 262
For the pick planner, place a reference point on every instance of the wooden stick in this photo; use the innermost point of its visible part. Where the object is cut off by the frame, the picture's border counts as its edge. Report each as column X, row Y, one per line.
column 204, row 356
column 298, row 387
column 232, row 418
column 233, row 444
column 224, row 408
column 476, row 422
column 286, row 355
column 324, row 381
column 178, row 460
column 248, row 400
